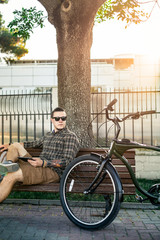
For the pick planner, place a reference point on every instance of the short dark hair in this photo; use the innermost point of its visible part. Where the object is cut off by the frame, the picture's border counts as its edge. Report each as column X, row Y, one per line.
column 57, row 109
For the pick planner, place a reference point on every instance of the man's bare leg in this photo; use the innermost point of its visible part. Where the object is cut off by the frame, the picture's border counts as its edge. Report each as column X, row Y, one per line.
column 8, row 182
column 16, row 150
column 10, row 165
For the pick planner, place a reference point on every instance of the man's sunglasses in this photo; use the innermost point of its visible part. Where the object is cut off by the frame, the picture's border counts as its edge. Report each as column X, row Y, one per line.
column 58, row 118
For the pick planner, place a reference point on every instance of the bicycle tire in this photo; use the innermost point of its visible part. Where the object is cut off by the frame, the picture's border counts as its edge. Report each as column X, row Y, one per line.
column 95, row 210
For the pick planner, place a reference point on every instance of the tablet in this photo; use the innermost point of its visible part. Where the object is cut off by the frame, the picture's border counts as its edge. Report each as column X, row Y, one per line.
column 25, row 159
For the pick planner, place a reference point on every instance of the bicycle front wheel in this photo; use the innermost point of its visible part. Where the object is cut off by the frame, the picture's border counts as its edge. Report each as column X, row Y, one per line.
column 92, row 210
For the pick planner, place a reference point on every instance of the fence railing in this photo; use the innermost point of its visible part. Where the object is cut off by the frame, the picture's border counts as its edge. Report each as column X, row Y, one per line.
column 25, row 116
column 145, row 130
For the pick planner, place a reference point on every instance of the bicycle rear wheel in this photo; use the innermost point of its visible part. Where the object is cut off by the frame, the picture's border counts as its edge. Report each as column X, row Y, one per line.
column 93, row 210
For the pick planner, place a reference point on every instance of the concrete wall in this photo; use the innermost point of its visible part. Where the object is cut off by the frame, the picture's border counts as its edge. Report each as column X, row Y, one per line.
column 147, row 164
column 28, row 76
column 119, row 72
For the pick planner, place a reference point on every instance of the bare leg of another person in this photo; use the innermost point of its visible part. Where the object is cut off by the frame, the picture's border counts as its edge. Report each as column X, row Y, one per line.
column 8, row 182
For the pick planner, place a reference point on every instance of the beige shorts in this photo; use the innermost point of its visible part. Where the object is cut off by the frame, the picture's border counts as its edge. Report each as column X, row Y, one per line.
column 37, row 175
column 32, row 175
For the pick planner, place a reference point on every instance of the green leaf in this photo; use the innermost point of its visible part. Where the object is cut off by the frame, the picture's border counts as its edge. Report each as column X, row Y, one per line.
column 25, row 21
column 125, row 10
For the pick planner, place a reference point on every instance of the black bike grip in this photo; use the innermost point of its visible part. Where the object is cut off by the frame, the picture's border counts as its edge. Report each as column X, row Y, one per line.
column 147, row 112
column 109, row 107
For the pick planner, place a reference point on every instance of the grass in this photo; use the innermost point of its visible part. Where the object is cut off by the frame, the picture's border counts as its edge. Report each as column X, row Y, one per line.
column 34, row 195
column 146, row 184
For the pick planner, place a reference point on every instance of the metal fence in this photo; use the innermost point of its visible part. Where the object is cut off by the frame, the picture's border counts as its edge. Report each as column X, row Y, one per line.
column 144, row 130
column 24, row 115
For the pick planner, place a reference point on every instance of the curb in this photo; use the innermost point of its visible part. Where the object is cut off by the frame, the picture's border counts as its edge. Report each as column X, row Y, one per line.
column 33, row 202
column 131, row 205
column 124, row 205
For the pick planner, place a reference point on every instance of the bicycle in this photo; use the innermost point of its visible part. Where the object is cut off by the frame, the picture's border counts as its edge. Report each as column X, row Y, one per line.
column 89, row 207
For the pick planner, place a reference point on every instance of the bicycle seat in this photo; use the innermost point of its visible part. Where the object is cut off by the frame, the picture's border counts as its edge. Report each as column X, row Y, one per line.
column 123, row 141
column 126, row 142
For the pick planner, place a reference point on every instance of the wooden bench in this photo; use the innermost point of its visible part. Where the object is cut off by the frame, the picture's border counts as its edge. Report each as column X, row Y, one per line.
column 128, row 186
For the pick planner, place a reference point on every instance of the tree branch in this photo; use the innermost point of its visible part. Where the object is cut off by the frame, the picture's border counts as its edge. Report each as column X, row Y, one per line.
column 48, row 3
column 90, row 6
column 51, row 6
column 99, row 3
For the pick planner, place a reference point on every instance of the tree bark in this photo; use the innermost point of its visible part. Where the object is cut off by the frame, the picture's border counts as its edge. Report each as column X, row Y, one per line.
column 74, row 21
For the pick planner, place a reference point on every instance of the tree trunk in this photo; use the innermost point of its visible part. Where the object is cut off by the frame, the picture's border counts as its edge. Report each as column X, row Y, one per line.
column 74, row 76
column 74, row 21
column 74, row 81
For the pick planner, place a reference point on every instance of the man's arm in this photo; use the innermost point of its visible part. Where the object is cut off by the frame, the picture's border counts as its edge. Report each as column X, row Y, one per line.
column 34, row 144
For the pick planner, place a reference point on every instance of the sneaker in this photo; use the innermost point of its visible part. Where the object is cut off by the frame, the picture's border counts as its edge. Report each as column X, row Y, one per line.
column 9, row 166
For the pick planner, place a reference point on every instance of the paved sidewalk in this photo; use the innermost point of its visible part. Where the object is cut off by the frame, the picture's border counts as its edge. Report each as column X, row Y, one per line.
column 46, row 222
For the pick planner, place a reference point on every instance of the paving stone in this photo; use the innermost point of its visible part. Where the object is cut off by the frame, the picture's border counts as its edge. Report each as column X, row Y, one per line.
column 47, row 222
column 51, row 236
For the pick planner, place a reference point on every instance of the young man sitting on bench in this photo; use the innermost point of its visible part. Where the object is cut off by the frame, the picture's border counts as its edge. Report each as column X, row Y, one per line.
column 58, row 149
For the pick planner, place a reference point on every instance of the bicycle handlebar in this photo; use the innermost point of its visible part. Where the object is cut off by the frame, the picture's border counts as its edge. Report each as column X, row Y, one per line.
column 110, row 105
column 148, row 112
column 131, row 115
column 116, row 119
column 138, row 114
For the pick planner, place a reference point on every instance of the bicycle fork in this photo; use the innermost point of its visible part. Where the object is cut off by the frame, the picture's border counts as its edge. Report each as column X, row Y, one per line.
column 90, row 189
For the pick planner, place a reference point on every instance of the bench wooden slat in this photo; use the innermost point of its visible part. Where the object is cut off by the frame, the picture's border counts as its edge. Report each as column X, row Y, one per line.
column 50, row 187
column 54, row 188
column 119, row 162
column 36, row 152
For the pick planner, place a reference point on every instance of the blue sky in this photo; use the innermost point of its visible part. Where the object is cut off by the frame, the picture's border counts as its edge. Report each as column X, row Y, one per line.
column 109, row 38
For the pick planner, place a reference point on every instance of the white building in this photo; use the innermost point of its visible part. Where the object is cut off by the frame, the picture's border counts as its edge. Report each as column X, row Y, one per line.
column 119, row 72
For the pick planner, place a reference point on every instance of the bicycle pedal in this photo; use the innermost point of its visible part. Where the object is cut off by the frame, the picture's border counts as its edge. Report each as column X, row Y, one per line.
column 139, row 198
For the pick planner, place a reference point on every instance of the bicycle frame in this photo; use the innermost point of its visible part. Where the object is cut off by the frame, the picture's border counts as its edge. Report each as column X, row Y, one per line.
column 118, row 147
